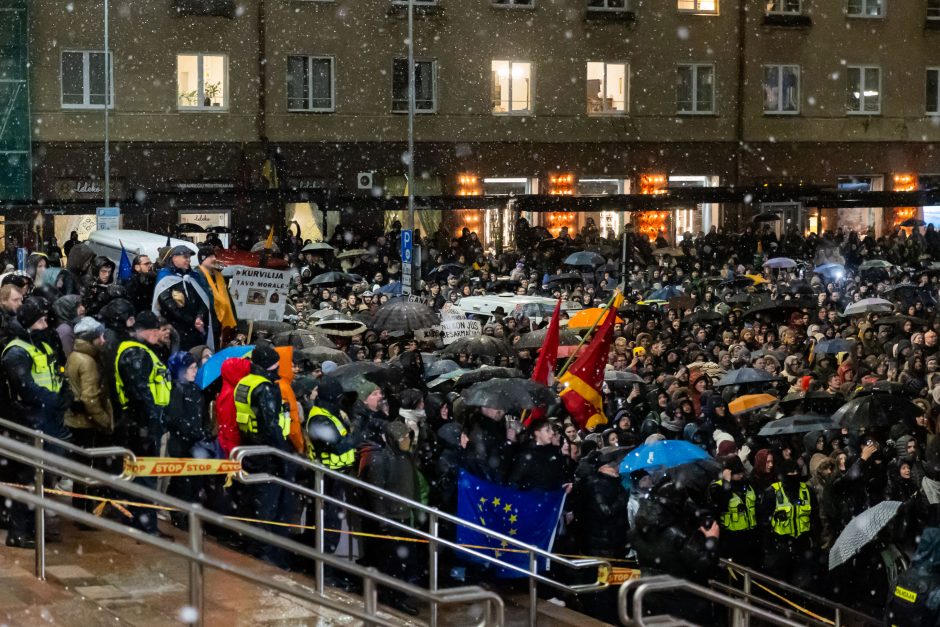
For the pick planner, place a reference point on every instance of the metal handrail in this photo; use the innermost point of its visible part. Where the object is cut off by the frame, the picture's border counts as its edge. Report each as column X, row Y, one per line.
column 43, row 460
column 435, row 516
column 762, row 602
column 840, row 611
column 665, row 583
column 91, row 453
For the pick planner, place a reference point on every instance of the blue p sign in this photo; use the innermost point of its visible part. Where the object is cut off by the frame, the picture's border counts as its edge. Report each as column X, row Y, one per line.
column 406, row 246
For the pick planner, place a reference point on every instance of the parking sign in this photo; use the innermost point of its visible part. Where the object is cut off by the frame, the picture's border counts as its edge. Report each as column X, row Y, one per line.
column 406, row 246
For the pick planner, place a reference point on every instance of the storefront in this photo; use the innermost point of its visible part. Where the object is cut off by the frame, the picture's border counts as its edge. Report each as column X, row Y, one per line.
column 858, row 219
column 207, row 219
column 609, row 223
column 499, row 224
column 74, row 201
column 700, row 218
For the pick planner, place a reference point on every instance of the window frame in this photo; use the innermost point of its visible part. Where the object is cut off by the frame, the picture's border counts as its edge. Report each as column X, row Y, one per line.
column 626, row 8
column 434, row 66
column 799, row 87
column 526, row 112
column 307, row 59
column 86, row 80
column 862, row 69
column 935, row 9
column 782, row 3
column 928, row 69
column 695, row 66
column 418, row 3
column 698, row 10
column 865, row 16
column 200, row 84
column 513, row 5
column 626, row 91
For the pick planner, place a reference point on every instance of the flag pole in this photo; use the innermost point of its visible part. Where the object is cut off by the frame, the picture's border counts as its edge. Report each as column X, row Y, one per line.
column 588, row 334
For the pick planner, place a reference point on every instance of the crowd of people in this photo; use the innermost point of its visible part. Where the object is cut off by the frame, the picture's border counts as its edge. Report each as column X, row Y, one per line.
column 97, row 359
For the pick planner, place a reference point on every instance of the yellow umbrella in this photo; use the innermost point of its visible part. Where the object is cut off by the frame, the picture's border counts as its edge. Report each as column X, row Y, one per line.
column 750, row 402
column 587, row 318
column 758, row 279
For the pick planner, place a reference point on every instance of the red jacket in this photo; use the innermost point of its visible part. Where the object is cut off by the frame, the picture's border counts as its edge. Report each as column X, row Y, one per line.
column 234, row 370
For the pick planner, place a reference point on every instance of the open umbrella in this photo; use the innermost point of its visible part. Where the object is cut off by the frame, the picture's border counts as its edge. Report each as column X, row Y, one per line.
column 830, row 270
column 587, row 318
column 875, row 410
column 662, row 454
column 802, row 423
column 323, row 353
column 445, row 270
column 536, row 339
column 302, row 338
column 899, row 320
column 212, row 369
column 623, row 379
column 316, row 247
column 218, row 229
column 834, row 346
column 393, row 289
column 511, row 395
column 567, row 277
column 189, row 227
column 780, row 263
column 340, row 326
column 766, row 216
column 875, row 264
column 703, row 316
column 773, row 309
column 441, row 366
column 665, row 293
column 585, row 259
column 883, row 387
column 743, row 376
column 479, row 346
column 913, row 222
column 447, row 378
column 401, row 314
column 486, row 373
column 861, row 530
column 869, row 305
column 751, row 402
column 350, row 375
column 333, row 279
column 353, row 253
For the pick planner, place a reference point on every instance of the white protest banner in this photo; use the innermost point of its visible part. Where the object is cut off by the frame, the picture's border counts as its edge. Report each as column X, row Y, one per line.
column 453, row 330
column 431, row 334
column 414, row 298
column 451, row 312
column 259, row 293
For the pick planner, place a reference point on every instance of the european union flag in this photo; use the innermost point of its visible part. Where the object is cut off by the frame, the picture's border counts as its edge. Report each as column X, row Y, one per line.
column 124, row 269
column 529, row 516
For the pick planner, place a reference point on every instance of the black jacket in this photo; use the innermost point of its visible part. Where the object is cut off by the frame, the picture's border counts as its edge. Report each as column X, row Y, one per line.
column 391, row 469
column 599, row 504
column 142, row 424
column 186, row 419
column 488, row 454
column 915, row 601
column 266, row 403
column 181, row 305
column 538, row 468
column 140, row 290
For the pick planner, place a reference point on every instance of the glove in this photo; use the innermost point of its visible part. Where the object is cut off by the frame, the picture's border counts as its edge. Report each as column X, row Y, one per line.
column 743, row 452
column 77, row 406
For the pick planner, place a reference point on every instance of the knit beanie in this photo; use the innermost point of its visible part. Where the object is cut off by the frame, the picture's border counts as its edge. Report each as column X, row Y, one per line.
column 178, row 363
column 330, row 389
column 31, row 311
column 396, row 430
column 264, row 356
column 88, row 329
column 364, row 388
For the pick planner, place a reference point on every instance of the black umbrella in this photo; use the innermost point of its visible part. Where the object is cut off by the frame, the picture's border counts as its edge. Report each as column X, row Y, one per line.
column 401, row 314
column 772, row 309
column 323, row 353
column 797, row 424
column 617, row 376
column 218, row 229
column 340, row 326
column 439, row 367
column 350, row 375
column 834, row 346
column 912, row 222
column 536, row 339
column 799, row 287
column 822, row 403
column 767, row 216
column 585, row 258
column 503, row 284
column 189, row 227
column 740, row 299
column 883, row 387
column 736, row 282
column 486, row 373
column 567, row 277
column 302, row 338
column 703, row 317
column 900, row 320
column 744, row 376
column 334, row 279
column 875, row 410
column 480, row 346
column 445, row 270
column 511, row 395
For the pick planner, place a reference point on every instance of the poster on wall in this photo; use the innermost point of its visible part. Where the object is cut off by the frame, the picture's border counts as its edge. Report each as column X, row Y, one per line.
column 259, row 293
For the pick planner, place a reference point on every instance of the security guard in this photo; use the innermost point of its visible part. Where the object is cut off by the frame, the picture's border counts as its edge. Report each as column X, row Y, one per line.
column 788, row 515
column 735, row 503
column 264, row 420
column 142, row 388
column 39, row 400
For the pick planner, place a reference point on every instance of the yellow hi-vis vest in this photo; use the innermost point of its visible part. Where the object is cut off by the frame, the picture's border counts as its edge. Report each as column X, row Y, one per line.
column 44, row 370
column 740, row 515
column 159, row 383
column 245, row 416
column 791, row 519
column 330, row 460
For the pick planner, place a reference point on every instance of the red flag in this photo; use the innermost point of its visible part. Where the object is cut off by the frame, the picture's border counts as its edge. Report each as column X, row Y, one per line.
column 548, row 358
column 582, row 383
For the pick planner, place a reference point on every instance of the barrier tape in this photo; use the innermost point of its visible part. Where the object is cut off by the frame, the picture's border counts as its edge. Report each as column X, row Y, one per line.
column 179, row 467
column 795, row 606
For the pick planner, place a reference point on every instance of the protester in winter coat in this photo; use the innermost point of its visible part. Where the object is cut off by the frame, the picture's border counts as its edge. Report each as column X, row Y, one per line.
column 67, row 310
column 97, row 282
column 179, row 298
column 234, row 370
column 286, row 378
column 140, row 286
column 91, row 413
column 915, row 601
column 599, row 503
column 539, row 464
column 489, row 454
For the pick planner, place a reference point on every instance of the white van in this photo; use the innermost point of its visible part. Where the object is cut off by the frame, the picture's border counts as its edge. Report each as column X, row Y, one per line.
column 108, row 243
column 535, row 308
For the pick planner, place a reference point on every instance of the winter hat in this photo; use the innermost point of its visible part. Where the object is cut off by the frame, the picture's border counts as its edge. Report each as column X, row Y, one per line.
column 330, row 389
column 31, row 311
column 396, row 430
column 264, row 356
column 364, row 388
column 411, row 398
column 734, row 464
column 727, row 447
column 178, row 363
column 146, row 321
column 328, row 367
column 204, row 253
column 87, row 328
column 180, row 250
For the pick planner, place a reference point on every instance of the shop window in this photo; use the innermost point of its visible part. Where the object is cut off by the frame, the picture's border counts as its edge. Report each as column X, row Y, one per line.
column 864, row 90
column 695, row 90
column 781, row 89
column 865, row 8
column 310, row 84
column 202, row 81
column 701, row 7
column 84, row 80
column 511, row 87
column 933, row 9
column 425, row 86
column 933, row 91
column 607, row 88
column 785, row 7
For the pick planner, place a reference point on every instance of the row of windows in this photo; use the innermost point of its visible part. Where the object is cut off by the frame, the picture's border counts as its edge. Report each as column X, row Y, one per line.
column 202, row 84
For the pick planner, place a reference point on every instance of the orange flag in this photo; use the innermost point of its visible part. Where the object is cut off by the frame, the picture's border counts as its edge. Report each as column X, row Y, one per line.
column 548, row 357
column 582, row 382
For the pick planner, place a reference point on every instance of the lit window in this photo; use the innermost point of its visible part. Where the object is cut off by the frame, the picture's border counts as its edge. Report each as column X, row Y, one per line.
column 511, row 87
column 83, row 80
column 865, row 8
column 201, row 81
column 781, row 89
column 310, row 83
column 607, row 87
column 695, row 88
column 933, row 91
column 698, row 6
column 864, row 90
column 933, row 9
column 523, row 4
column 425, row 86
column 783, row 6
column 607, row 5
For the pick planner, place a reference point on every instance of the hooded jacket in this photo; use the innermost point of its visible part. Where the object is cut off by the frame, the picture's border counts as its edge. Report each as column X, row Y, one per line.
column 233, row 370
column 286, row 372
column 915, row 601
column 65, row 309
column 88, row 386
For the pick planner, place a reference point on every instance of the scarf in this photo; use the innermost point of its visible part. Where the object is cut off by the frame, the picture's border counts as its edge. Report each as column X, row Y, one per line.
column 220, row 299
column 412, row 418
column 931, row 490
column 168, row 281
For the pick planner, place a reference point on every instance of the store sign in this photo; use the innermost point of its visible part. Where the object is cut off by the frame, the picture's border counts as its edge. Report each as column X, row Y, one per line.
column 296, row 184
column 453, row 330
column 259, row 293
column 84, row 189
column 205, row 185
column 109, row 218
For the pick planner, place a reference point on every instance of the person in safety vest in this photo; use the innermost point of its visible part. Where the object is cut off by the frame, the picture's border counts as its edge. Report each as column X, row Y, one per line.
column 331, row 442
column 39, row 398
column 788, row 515
column 142, row 387
column 735, row 503
column 915, row 600
column 264, row 420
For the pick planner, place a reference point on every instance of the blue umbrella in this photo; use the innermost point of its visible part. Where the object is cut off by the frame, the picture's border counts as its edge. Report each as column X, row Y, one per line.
column 665, row 293
column 393, row 288
column 212, row 369
column 836, row 270
column 662, row 454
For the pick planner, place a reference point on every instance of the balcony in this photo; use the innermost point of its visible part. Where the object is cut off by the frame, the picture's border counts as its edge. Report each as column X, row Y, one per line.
column 205, row 8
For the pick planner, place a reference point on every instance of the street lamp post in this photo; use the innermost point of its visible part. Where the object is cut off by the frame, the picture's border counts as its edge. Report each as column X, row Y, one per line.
column 107, row 105
column 411, row 121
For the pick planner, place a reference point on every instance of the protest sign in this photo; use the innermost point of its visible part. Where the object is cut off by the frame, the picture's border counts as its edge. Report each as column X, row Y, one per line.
column 453, row 330
column 259, row 293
